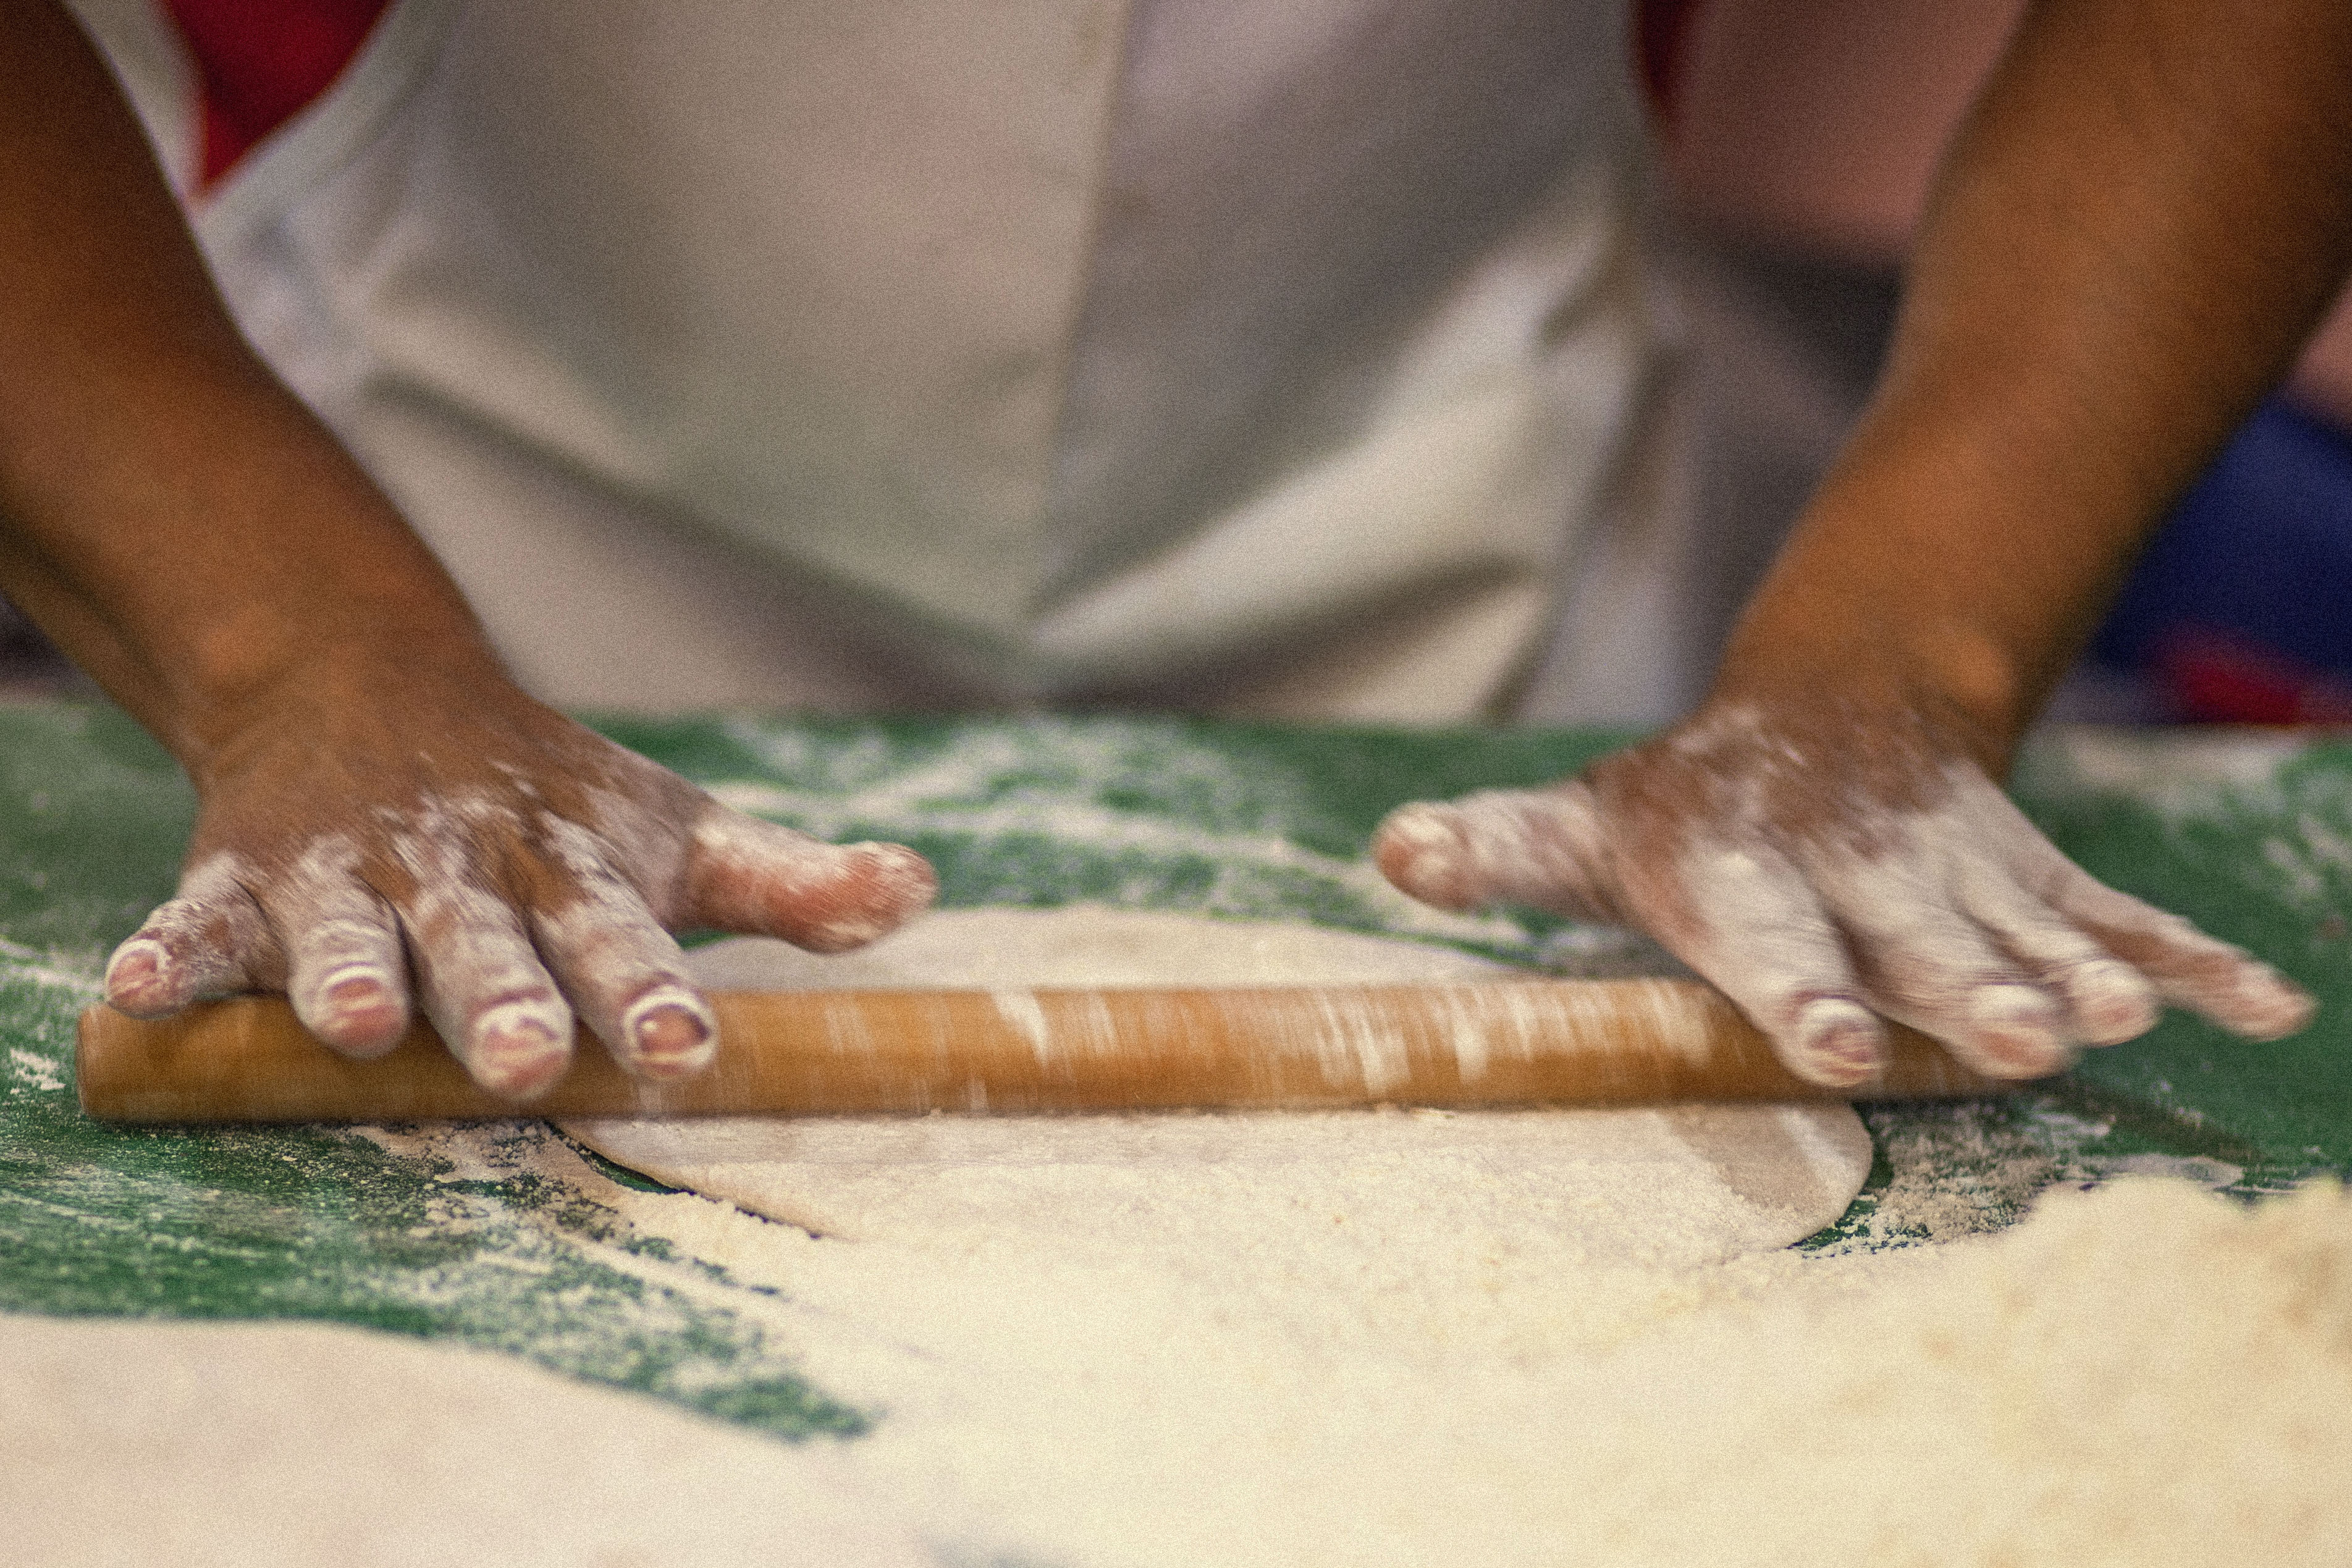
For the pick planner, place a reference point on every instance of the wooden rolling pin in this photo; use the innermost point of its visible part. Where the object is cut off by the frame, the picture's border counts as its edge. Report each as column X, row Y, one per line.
column 1506, row 1042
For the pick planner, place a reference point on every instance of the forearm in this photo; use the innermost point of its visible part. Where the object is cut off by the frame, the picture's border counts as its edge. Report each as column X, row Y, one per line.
column 174, row 519
column 2147, row 211
column 2144, row 214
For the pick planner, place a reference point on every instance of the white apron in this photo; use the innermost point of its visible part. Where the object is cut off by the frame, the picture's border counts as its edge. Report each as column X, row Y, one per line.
column 1280, row 360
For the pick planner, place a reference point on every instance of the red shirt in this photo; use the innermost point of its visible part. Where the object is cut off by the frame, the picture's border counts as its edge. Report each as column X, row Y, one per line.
column 260, row 63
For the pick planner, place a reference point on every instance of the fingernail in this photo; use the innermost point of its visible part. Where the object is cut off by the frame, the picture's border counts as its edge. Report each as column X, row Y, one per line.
column 850, row 931
column 903, row 881
column 351, row 992
column 518, row 1057
column 138, row 977
column 671, row 1034
column 2274, row 1005
column 2112, row 1000
column 1422, row 848
column 1838, row 1041
column 872, row 890
column 362, row 1013
column 2017, row 1026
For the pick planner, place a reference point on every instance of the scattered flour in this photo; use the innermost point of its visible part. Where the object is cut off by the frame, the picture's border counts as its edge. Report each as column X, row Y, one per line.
column 1148, row 1338
column 2180, row 772
column 38, row 1072
column 1406, row 1338
column 2146, row 1374
column 283, row 1445
column 2140, row 1374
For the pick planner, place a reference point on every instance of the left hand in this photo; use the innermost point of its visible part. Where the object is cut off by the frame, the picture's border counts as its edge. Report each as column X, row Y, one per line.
column 1828, row 868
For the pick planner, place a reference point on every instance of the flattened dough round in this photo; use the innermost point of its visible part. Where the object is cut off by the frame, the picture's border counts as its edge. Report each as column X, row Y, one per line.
column 1086, row 944
column 1665, row 1188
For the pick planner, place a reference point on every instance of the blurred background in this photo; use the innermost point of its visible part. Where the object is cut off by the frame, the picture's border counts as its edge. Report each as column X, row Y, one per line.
column 1796, row 140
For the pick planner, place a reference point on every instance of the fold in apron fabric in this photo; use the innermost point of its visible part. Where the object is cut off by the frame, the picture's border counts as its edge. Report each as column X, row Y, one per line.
column 1276, row 360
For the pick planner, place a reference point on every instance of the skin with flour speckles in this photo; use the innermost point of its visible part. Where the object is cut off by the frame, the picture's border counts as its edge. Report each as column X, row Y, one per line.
column 189, row 948
column 1826, row 882
column 823, row 898
column 345, row 965
column 504, row 886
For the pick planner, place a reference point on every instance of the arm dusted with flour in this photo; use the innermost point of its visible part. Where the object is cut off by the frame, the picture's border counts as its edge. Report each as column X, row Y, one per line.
column 2144, row 217
column 384, row 816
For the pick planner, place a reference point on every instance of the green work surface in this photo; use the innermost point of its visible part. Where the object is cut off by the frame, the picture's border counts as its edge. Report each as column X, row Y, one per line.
column 498, row 1237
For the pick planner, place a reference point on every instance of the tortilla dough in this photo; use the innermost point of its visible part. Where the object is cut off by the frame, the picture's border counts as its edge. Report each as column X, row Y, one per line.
column 1675, row 1186
column 1086, row 944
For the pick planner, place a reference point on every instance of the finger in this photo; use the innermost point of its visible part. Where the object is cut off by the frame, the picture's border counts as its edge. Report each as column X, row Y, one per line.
column 206, row 942
column 746, row 875
column 626, row 979
column 1925, row 964
column 2208, row 976
column 1546, row 850
column 348, row 977
column 624, row 974
column 2105, row 1000
column 1751, row 925
column 485, row 990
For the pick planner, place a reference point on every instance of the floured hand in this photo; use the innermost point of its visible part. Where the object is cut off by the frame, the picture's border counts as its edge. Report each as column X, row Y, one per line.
column 479, row 857
column 1831, row 869
column 385, row 822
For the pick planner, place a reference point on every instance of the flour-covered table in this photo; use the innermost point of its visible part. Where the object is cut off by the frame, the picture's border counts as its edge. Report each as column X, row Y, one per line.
column 518, row 1244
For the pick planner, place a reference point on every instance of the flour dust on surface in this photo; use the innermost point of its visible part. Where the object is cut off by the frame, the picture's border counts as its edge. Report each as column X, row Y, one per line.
column 1399, row 1337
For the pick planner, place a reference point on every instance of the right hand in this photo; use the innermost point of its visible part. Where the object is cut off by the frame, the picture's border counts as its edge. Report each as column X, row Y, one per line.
column 464, row 851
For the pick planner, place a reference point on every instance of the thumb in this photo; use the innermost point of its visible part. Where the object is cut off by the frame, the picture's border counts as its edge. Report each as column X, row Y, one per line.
column 208, row 941
column 750, row 876
column 1546, row 850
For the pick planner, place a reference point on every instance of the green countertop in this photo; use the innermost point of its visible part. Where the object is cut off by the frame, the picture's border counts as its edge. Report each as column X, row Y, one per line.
column 498, row 1237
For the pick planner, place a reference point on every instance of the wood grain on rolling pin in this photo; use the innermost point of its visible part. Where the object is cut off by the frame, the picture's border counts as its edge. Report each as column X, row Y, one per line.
column 1508, row 1042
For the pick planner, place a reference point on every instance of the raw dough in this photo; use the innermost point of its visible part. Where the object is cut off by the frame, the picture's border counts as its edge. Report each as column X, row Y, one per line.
column 1086, row 944
column 1232, row 1339
column 1689, row 1184
column 1400, row 1338
column 1678, row 1185
column 2144, row 1374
